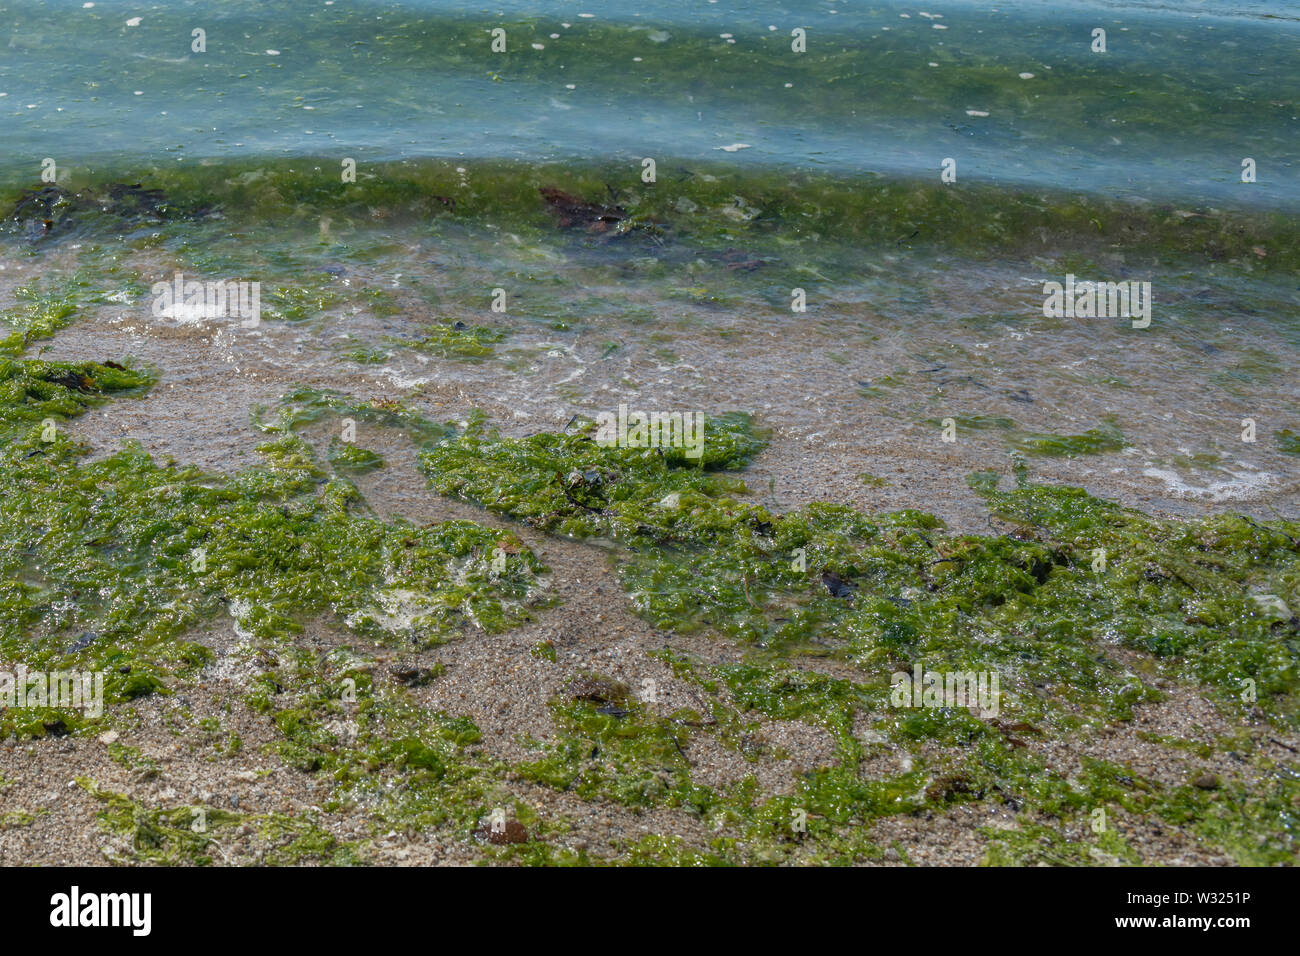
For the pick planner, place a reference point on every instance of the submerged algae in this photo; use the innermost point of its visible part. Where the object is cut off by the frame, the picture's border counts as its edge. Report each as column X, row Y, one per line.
column 1092, row 442
column 49, row 306
column 458, row 340
column 698, row 206
column 305, row 406
column 347, row 457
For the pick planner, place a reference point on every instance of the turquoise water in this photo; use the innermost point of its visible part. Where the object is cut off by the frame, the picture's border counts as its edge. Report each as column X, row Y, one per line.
column 1182, row 94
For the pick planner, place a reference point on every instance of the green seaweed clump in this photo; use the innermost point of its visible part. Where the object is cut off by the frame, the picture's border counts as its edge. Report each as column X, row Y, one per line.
column 192, row 835
column 37, row 392
column 1092, row 442
column 568, row 484
column 348, row 457
column 460, row 341
column 305, row 406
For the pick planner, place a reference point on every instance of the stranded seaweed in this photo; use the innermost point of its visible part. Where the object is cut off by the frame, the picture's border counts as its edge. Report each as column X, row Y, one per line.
column 1036, row 604
column 1048, row 605
column 105, row 564
column 570, row 485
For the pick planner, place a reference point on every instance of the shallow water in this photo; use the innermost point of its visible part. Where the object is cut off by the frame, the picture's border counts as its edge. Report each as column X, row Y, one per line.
column 924, row 298
column 1183, row 92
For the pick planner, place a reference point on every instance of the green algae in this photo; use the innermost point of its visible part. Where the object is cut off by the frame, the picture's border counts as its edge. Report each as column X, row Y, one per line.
column 366, row 356
column 305, row 406
column 1253, row 824
column 918, row 594
column 160, row 836
column 348, row 457
column 974, row 577
column 666, row 850
column 36, row 393
column 105, row 565
column 12, row 819
column 1188, row 593
column 1288, row 441
column 132, row 758
column 782, row 692
column 46, row 306
column 1036, row 844
column 569, row 485
column 751, row 206
column 52, row 212
column 977, row 761
column 192, row 835
column 976, row 422
column 131, row 554
column 888, row 590
column 300, row 301
column 1094, row 441
column 617, row 753
column 40, row 317
column 1030, row 604
column 410, row 767
column 460, row 341
column 268, row 545
column 625, row 753
column 1040, row 606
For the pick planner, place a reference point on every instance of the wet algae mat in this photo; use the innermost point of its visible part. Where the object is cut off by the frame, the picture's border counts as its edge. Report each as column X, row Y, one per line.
column 1086, row 611
column 99, row 573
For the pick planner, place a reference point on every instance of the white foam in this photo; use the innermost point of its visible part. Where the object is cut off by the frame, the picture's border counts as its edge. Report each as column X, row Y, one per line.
column 1242, row 484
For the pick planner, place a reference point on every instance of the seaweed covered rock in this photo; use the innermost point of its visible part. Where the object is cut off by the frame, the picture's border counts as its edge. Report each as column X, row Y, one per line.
column 52, row 211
